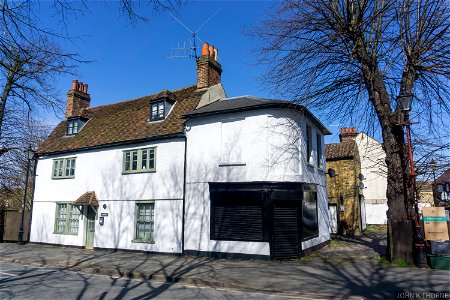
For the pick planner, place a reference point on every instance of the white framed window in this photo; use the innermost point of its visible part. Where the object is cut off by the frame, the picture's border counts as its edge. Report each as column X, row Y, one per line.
column 74, row 125
column 67, row 219
column 319, row 151
column 159, row 110
column 139, row 160
column 309, row 144
column 145, row 222
column 64, row 168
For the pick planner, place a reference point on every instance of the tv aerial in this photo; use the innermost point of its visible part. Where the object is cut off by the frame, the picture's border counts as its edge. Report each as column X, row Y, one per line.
column 188, row 49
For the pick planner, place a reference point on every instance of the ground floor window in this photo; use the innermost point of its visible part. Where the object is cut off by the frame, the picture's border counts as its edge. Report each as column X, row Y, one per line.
column 237, row 216
column 67, row 218
column 310, row 223
column 145, row 216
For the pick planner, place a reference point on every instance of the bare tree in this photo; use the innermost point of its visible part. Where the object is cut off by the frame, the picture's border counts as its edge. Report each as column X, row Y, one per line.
column 352, row 58
column 30, row 62
column 30, row 58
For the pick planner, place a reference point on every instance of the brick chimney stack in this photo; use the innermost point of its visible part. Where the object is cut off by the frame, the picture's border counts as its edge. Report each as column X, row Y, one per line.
column 208, row 68
column 77, row 99
column 348, row 134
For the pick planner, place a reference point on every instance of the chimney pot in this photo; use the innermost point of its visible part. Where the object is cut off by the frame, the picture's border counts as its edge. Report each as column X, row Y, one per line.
column 205, row 49
column 76, row 101
column 216, row 53
column 209, row 70
column 348, row 133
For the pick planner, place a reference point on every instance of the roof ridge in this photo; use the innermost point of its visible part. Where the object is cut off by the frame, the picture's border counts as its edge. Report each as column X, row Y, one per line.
column 138, row 98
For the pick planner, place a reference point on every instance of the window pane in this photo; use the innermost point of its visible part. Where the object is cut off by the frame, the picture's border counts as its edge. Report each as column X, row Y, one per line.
column 310, row 226
column 75, row 126
column 151, row 164
column 61, row 214
column 134, row 161
column 73, row 219
column 319, row 150
column 55, row 168
column 67, row 169
column 144, row 159
column 60, row 168
column 154, row 111
column 70, row 127
column 161, row 110
column 144, row 222
column 72, row 170
column 308, row 144
column 127, row 161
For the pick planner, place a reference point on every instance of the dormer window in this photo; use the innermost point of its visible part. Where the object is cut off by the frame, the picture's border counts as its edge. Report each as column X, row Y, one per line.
column 159, row 110
column 74, row 125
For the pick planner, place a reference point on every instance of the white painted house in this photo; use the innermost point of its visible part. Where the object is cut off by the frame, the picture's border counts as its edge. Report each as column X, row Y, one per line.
column 374, row 170
column 255, row 170
column 184, row 172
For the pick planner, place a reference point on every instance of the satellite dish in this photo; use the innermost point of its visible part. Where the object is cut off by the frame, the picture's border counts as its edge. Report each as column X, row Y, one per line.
column 361, row 176
column 332, row 173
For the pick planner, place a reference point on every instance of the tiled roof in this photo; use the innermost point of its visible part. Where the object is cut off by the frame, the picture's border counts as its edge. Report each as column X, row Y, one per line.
column 445, row 177
column 123, row 122
column 236, row 103
column 344, row 150
column 87, row 198
column 229, row 105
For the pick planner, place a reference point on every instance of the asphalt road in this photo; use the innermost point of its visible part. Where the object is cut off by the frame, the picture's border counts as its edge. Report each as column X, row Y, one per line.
column 27, row 282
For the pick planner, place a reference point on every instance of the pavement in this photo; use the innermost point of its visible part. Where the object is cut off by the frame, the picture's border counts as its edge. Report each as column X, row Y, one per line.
column 347, row 268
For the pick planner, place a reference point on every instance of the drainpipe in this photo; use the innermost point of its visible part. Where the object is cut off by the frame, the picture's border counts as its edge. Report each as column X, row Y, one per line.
column 184, row 193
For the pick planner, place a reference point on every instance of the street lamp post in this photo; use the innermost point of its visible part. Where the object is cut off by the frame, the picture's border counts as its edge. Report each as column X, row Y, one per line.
column 30, row 156
column 433, row 164
column 404, row 100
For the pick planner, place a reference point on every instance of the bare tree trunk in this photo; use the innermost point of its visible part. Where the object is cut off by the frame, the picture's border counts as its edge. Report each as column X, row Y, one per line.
column 399, row 214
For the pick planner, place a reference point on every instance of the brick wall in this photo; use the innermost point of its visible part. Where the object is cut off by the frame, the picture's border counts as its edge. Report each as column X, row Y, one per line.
column 343, row 189
column 76, row 101
column 208, row 72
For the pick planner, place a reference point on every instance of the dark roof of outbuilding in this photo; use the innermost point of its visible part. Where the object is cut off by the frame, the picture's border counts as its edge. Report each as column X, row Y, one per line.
column 344, row 150
column 445, row 177
column 245, row 103
column 124, row 122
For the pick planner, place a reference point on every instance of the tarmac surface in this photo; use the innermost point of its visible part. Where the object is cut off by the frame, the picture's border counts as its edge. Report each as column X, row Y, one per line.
column 347, row 268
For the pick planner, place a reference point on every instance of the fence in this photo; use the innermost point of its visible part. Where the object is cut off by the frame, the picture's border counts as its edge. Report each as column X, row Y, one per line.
column 9, row 228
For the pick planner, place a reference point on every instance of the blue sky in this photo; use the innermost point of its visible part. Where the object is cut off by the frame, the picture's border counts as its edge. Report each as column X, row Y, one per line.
column 132, row 61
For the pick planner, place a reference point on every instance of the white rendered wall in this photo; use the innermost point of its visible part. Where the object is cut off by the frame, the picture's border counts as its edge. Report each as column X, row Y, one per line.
column 270, row 147
column 373, row 167
column 101, row 171
column 376, row 213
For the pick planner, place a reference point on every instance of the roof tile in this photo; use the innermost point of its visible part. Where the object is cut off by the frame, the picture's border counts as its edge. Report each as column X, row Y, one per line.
column 123, row 122
column 344, row 150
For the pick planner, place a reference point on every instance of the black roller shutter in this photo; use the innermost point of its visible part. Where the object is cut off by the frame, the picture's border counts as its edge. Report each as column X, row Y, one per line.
column 237, row 216
column 285, row 231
